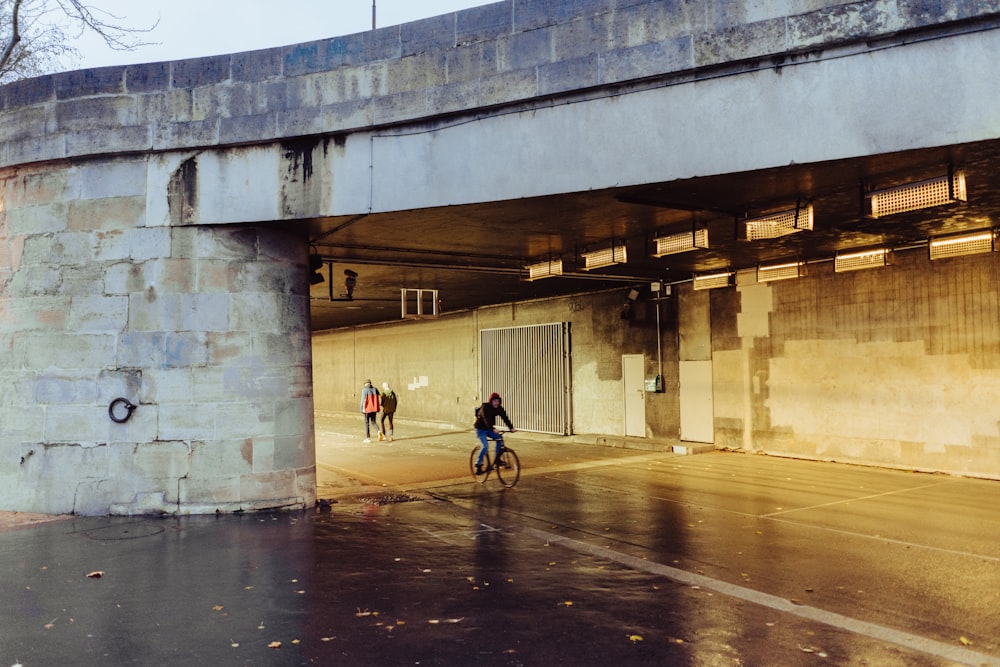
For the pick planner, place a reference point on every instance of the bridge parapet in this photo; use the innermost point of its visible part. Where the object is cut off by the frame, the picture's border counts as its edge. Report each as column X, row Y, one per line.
column 499, row 54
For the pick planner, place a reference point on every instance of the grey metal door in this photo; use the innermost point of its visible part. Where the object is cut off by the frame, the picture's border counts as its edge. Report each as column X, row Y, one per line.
column 530, row 367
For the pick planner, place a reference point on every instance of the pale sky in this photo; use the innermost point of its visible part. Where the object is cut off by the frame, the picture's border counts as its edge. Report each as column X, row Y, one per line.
column 195, row 28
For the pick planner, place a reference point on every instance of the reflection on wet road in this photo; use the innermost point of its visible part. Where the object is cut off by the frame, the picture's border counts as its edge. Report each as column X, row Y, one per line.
column 899, row 557
column 599, row 556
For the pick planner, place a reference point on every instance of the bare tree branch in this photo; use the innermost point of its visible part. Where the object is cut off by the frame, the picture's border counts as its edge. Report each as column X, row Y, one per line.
column 37, row 35
column 15, row 34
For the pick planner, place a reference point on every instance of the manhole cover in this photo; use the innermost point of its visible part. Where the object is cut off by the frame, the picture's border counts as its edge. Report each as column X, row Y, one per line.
column 386, row 499
column 124, row 531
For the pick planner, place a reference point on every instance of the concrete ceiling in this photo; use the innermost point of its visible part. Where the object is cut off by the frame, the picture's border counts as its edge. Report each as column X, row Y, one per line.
column 474, row 255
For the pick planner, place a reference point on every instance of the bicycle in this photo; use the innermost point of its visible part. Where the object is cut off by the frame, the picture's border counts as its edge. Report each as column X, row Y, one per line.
column 507, row 466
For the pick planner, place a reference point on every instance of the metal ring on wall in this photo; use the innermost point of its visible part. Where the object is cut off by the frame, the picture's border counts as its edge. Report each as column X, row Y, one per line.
column 129, row 408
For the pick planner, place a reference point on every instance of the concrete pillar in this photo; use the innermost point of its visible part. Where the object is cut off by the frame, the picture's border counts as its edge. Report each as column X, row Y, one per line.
column 204, row 328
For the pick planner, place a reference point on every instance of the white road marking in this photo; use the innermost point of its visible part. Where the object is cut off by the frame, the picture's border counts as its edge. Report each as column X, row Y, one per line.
column 880, row 632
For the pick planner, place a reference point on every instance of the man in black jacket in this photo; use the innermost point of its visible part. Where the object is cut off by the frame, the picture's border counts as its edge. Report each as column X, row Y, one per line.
column 486, row 417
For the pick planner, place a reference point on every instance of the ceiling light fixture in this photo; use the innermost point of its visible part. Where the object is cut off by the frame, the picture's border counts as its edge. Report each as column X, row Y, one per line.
column 779, row 224
column 598, row 259
column 713, row 280
column 962, row 244
column 861, row 259
column 938, row 191
column 544, row 269
column 780, row 271
column 696, row 239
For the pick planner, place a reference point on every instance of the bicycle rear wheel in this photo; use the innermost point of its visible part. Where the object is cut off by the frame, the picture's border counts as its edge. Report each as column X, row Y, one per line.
column 508, row 468
column 472, row 466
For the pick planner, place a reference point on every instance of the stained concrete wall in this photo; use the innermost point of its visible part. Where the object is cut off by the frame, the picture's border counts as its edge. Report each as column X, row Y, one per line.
column 895, row 367
column 433, row 364
column 898, row 366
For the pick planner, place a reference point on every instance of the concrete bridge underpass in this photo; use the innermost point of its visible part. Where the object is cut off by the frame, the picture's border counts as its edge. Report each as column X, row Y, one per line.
column 157, row 223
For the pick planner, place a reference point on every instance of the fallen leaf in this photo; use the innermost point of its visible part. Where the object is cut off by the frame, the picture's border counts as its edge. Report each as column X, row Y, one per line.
column 965, row 640
column 96, row 574
column 568, row 603
column 635, row 638
column 274, row 645
column 218, row 607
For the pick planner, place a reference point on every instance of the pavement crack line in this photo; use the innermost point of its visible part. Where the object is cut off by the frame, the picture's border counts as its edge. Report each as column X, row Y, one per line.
column 873, row 630
column 855, row 499
column 890, row 540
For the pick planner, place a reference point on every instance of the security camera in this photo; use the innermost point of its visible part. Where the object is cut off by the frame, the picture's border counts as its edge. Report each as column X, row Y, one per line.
column 350, row 282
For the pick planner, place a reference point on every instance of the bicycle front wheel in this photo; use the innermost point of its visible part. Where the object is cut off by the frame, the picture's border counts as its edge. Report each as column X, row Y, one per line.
column 508, row 468
column 472, row 466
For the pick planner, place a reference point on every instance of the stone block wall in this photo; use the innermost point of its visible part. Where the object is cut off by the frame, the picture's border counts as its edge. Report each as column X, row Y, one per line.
column 205, row 329
column 896, row 366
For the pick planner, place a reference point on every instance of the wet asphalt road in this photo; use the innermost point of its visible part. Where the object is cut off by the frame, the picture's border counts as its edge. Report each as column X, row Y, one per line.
column 599, row 556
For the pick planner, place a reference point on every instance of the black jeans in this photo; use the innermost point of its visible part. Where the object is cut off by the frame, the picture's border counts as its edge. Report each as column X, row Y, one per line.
column 386, row 415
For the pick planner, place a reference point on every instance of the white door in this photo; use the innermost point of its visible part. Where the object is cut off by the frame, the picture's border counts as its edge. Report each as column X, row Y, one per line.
column 697, row 407
column 634, row 384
